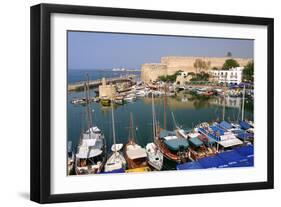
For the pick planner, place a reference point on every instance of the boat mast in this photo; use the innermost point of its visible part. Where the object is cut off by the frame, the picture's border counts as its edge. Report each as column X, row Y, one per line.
column 113, row 128
column 175, row 123
column 89, row 108
column 131, row 131
column 223, row 111
column 243, row 103
column 153, row 118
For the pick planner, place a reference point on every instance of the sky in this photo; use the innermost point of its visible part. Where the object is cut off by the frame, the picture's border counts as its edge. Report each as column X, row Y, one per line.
column 97, row 50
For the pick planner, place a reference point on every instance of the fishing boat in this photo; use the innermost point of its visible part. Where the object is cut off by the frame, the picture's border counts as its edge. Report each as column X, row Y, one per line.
column 116, row 161
column 70, row 158
column 90, row 156
column 155, row 157
column 135, row 155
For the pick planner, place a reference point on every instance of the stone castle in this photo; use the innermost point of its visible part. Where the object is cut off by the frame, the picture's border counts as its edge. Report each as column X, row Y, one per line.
column 169, row 65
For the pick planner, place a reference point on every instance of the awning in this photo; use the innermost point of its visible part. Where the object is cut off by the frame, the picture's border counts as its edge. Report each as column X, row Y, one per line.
column 212, row 162
column 225, row 125
column 176, row 144
column 230, row 142
column 245, row 125
column 248, row 163
column 245, row 135
column 136, row 153
column 189, row 166
column 247, row 151
column 195, row 142
column 85, row 152
column 232, row 157
column 217, row 130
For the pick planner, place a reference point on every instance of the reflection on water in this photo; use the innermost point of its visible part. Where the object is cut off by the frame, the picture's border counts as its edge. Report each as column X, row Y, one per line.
column 189, row 110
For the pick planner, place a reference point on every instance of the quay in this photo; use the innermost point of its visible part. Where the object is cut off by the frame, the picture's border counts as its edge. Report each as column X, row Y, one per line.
column 79, row 86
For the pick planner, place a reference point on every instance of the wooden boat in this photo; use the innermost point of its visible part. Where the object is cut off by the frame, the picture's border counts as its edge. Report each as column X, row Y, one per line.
column 173, row 147
column 116, row 161
column 135, row 155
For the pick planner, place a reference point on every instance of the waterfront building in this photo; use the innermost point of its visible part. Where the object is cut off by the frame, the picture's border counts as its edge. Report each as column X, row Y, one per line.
column 108, row 91
column 231, row 76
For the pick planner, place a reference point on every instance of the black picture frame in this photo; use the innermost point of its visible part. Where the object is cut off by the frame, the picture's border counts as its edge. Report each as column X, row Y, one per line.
column 41, row 99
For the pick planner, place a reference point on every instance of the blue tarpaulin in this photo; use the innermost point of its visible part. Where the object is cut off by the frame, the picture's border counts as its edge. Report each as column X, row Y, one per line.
column 189, row 166
column 212, row 162
column 232, row 157
column 247, row 151
column 245, row 125
column 225, row 125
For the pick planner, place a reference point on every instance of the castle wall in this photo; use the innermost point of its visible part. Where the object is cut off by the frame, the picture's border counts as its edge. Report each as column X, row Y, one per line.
column 170, row 64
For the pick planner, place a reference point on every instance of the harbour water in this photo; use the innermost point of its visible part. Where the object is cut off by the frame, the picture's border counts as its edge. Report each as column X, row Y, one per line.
column 189, row 110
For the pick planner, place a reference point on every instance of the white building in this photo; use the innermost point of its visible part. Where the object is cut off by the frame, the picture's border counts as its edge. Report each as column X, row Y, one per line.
column 231, row 76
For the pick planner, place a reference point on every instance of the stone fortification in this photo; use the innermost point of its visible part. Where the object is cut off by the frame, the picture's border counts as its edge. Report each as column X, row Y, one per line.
column 169, row 65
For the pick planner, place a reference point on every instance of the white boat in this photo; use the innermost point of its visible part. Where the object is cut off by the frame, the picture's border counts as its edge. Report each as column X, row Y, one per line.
column 141, row 93
column 155, row 157
column 116, row 147
column 90, row 156
column 116, row 161
column 130, row 97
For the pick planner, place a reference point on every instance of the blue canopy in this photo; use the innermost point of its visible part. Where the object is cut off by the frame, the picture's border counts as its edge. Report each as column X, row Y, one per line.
column 245, row 135
column 232, row 157
column 212, row 138
column 217, row 129
column 225, row 125
column 247, row 151
column 212, row 162
column 245, row 125
column 196, row 142
column 189, row 166
column 176, row 144
column 238, row 131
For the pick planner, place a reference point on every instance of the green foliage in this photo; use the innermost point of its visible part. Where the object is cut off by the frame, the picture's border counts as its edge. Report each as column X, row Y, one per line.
column 200, row 77
column 170, row 78
column 230, row 63
column 248, row 72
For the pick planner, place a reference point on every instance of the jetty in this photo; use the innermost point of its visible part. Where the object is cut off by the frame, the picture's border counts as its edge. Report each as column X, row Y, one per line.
column 79, row 86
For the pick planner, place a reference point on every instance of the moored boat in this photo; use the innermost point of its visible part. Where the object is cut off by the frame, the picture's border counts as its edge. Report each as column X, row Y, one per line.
column 116, row 161
column 135, row 155
column 90, row 156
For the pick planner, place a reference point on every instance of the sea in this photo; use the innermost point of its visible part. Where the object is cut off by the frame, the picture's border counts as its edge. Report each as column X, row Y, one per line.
column 189, row 110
